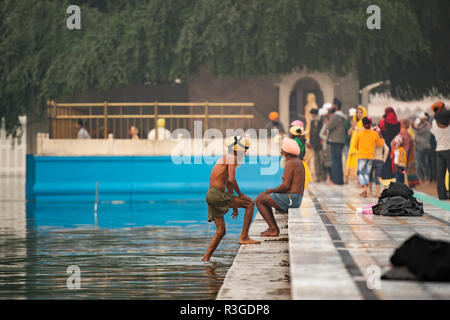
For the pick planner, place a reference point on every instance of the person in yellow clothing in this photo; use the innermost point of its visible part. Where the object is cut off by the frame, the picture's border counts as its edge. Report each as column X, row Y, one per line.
column 365, row 145
column 400, row 160
column 351, row 166
column 297, row 135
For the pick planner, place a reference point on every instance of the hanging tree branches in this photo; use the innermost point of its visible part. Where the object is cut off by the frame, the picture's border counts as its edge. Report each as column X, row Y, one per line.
column 132, row 42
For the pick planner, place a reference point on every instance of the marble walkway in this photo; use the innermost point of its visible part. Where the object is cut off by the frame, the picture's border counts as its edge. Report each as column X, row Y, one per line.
column 328, row 251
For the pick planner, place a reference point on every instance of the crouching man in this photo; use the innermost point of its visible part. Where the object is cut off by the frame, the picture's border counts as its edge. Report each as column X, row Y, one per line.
column 220, row 200
column 289, row 193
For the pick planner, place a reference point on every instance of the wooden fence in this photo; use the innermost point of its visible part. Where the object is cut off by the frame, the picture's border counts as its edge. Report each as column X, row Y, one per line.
column 101, row 119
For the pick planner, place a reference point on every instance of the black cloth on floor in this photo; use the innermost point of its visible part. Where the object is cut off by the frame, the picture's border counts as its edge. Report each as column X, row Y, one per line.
column 398, row 273
column 398, row 206
column 398, row 200
column 428, row 260
column 397, row 189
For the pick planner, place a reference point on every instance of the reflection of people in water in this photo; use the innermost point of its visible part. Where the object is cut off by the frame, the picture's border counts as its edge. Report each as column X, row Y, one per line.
column 214, row 280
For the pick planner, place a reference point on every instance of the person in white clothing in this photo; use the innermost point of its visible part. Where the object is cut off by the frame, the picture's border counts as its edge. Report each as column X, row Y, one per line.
column 82, row 132
column 440, row 128
column 163, row 133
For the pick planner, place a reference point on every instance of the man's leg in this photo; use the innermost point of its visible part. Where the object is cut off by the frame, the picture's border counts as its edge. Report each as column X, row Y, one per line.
column 377, row 172
column 362, row 168
column 220, row 233
column 248, row 216
column 336, row 163
column 265, row 203
column 426, row 165
column 419, row 164
column 318, row 165
column 340, row 173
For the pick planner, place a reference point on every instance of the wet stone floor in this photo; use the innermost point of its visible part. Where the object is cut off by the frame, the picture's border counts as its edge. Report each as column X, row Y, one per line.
column 328, row 251
column 337, row 253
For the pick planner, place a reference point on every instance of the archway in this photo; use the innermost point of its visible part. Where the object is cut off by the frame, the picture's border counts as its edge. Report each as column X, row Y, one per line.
column 298, row 97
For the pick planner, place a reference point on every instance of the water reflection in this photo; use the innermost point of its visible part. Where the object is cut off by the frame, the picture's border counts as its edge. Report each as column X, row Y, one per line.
column 134, row 251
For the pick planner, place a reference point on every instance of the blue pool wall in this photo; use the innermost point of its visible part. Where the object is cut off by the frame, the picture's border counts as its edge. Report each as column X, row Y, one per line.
column 135, row 178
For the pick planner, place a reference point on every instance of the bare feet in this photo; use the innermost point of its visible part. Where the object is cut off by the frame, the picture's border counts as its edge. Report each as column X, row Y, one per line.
column 363, row 193
column 205, row 258
column 248, row 241
column 270, row 233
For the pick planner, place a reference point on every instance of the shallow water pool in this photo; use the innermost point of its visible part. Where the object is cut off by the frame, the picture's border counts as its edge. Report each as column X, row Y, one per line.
column 146, row 250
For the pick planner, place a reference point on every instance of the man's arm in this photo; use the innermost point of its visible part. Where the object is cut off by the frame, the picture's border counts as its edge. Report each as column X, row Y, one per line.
column 232, row 182
column 229, row 187
column 287, row 180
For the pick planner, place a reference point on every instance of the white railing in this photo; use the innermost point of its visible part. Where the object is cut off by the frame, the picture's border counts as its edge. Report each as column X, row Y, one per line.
column 144, row 147
column 13, row 156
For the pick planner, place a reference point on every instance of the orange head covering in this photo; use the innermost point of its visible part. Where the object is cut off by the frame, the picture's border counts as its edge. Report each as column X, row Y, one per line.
column 273, row 116
column 437, row 106
column 290, row 146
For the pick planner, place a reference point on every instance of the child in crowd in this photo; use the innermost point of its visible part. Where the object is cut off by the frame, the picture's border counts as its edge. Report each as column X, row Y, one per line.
column 398, row 155
column 296, row 133
column 379, row 158
column 365, row 145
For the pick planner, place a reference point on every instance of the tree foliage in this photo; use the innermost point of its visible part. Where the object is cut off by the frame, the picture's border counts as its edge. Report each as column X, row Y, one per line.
column 132, row 42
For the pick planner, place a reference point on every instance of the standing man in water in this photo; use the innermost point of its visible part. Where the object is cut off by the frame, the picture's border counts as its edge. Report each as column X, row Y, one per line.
column 219, row 201
column 288, row 194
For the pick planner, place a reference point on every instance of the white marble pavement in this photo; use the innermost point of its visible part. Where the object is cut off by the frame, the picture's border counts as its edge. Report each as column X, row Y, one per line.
column 328, row 251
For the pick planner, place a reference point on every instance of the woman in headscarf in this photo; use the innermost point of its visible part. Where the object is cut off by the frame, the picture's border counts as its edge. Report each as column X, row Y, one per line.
column 409, row 149
column 390, row 127
column 310, row 104
column 356, row 128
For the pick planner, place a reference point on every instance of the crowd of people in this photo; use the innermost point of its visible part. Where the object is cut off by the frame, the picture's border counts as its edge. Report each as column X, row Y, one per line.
column 375, row 153
column 340, row 147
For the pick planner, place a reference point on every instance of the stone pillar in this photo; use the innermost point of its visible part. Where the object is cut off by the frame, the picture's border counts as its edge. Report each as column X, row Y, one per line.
column 283, row 105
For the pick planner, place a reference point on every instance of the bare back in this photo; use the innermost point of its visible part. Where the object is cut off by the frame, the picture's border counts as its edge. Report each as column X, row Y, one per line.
column 295, row 173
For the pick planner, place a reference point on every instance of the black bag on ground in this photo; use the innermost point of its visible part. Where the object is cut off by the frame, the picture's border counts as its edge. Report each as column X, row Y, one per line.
column 398, row 200
column 428, row 260
column 398, row 206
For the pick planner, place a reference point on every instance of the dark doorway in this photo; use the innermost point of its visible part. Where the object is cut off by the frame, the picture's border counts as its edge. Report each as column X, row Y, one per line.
column 299, row 93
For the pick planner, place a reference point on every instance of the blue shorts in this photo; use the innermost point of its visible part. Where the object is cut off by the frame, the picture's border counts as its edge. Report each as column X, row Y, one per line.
column 287, row 200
